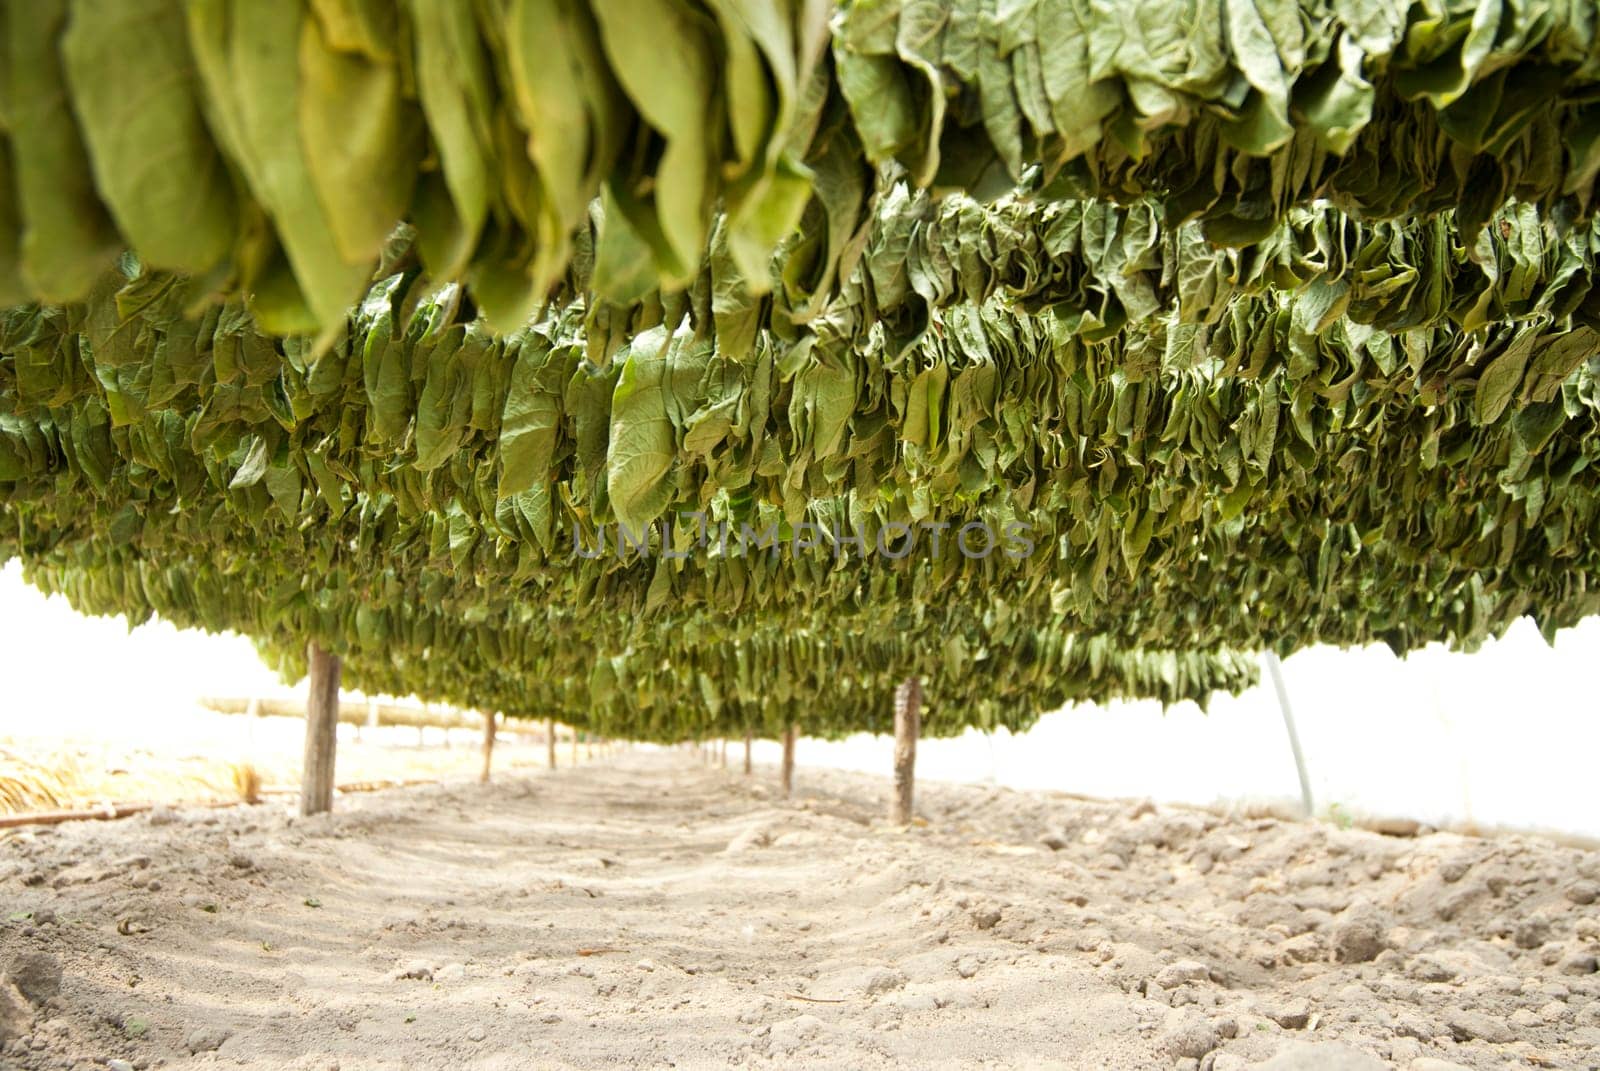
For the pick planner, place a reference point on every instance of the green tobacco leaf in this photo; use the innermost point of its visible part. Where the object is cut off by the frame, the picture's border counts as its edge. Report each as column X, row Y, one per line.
column 361, row 139
column 250, row 57
column 1499, row 382
column 67, row 237
column 386, row 364
column 530, row 425
column 151, row 151
column 881, row 103
column 566, row 100
column 924, row 415
column 13, row 288
column 441, row 421
column 455, row 91
column 643, row 442
column 253, row 467
column 1264, row 123
column 662, row 56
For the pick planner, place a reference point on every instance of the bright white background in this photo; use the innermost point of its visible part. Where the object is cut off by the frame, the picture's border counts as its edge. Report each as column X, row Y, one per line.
column 1505, row 737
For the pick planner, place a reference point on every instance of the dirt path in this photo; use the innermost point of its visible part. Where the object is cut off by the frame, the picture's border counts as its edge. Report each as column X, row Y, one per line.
column 653, row 912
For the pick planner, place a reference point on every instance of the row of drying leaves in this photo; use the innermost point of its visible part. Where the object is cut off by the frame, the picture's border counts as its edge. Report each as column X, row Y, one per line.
column 707, row 677
column 294, row 136
column 1136, row 451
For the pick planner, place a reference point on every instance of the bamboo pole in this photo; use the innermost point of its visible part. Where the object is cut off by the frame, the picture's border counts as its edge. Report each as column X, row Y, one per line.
column 1275, row 671
column 322, row 730
column 748, row 740
column 369, row 714
column 789, row 735
column 550, row 741
column 488, row 745
column 110, row 812
column 907, row 727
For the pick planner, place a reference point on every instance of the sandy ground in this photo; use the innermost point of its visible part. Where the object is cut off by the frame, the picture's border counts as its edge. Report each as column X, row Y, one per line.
column 648, row 911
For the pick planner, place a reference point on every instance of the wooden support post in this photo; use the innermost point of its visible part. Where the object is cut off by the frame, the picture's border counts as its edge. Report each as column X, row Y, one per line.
column 550, row 741
column 748, row 740
column 488, row 745
column 907, row 727
column 322, row 730
column 788, row 761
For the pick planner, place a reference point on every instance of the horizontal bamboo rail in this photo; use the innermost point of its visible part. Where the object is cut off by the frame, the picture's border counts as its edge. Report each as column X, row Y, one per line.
column 350, row 713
